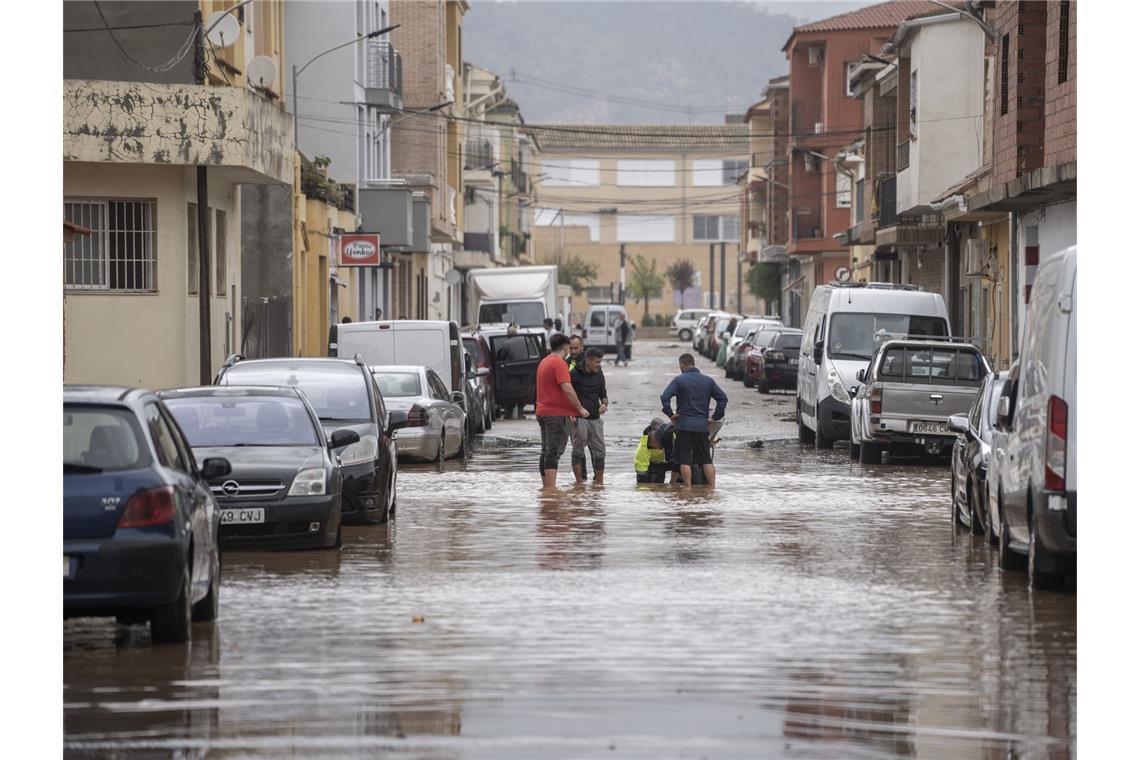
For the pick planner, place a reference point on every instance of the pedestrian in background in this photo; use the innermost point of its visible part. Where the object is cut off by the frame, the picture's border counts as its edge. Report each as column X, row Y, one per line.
column 575, row 354
column 548, row 330
column 556, row 407
column 693, row 392
column 589, row 432
column 621, row 338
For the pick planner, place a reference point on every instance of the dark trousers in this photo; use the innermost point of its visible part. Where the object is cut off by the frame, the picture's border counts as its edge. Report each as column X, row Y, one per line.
column 555, row 433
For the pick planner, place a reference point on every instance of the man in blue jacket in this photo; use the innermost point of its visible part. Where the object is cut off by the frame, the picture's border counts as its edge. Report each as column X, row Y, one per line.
column 691, row 444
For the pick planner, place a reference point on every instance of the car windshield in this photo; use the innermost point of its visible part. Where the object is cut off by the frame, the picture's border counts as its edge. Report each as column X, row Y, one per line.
column 336, row 391
column 747, row 326
column 398, row 384
column 856, row 336
column 100, row 438
column 522, row 314
column 788, row 340
column 244, row 420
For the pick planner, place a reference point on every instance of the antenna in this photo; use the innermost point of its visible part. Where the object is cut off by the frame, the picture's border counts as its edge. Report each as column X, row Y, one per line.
column 224, row 29
column 262, row 71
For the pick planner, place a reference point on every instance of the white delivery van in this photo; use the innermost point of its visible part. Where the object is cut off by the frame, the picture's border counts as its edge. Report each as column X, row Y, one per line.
column 522, row 295
column 430, row 343
column 844, row 326
column 1035, row 436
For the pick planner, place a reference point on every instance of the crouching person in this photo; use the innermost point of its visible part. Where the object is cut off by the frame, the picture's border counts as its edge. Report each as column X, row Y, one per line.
column 650, row 460
column 589, row 432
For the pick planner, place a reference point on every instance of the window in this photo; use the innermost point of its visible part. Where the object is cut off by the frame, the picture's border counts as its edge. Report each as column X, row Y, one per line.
column 220, row 254
column 398, row 384
column 716, row 228
column 547, row 217
column 192, row 248
column 717, row 172
column 646, row 173
column 847, row 81
column 163, row 437
column 571, row 172
column 842, row 189
column 733, row 170
column 1004, row 74
column 335, row 391
column 1063, row 44
column 642, row 228
column 101, row 436
column 244, row 420
column 438, row 390
column 119, row 254
column 913, row 104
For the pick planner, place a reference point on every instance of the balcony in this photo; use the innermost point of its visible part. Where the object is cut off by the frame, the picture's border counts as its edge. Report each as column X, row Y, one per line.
column 887, row 202
column 384, row 87
column 478, row 154
column 479, row 241
column 807, row 118
column 807, row 222
column 902, row 157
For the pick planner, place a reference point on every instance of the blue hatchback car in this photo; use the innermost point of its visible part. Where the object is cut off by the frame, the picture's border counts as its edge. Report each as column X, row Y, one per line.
column 140, row 525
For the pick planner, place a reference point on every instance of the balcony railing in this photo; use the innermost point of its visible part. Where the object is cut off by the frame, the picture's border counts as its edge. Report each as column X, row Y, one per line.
column 807, row 118
column 385, row 67
column 888, row 211
column 902, row 158
column 807, row 223
column 478, row 154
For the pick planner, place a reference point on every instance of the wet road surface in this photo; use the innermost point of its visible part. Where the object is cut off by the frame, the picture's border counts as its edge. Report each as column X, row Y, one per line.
column 810, row 608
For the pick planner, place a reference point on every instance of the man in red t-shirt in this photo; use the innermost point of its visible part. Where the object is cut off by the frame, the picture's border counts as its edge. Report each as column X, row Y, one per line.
column 556, row 407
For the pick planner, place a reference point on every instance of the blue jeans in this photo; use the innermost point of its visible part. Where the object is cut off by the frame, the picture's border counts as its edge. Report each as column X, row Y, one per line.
column 621, row 356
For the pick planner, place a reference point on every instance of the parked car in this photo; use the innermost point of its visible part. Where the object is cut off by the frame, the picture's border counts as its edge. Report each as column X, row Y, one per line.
column 1037, row 429
column 734, row 362
column 685, row 320
column 432, row 343
column 437, row 425
column 344, row 395
column 516, row 362
column 777, row 359
column 284, row 490
column 844, row 325
column 482, row 383
column 908, row 393
column 140, row 526
column 717, row 334
column 733, row 368
column 970, row 459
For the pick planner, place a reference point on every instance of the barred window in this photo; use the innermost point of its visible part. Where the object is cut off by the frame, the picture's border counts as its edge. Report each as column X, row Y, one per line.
column 1063, row 44
column 120, row 252
column 220, row 254
column 192, row 248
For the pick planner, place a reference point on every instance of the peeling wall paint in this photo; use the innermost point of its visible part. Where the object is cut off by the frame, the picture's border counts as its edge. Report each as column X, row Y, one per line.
column 143, row 123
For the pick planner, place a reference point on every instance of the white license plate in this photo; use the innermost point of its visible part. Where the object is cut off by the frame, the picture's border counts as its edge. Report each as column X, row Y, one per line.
column 243, row 516
column 66, row 566
column 933, row 428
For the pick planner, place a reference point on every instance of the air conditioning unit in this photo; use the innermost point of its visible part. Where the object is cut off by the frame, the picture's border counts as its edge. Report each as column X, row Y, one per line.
column 815, row 56
column 976, row 253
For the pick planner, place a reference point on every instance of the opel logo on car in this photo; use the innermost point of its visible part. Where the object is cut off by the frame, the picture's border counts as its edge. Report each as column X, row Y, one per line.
column 230, row 488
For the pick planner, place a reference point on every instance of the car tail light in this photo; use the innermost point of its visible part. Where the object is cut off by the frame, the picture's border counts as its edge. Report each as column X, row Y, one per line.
column 1055, row 444
column 151, row 507
column 876, row 401
column 417, row 417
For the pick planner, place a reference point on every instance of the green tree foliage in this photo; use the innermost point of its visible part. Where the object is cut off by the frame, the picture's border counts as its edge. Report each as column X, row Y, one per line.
column 764, row 282
column 578, row 273
column 681, row 274
column 645, row 283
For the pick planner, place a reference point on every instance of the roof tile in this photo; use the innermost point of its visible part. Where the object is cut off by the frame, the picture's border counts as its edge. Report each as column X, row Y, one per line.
column 642, row 137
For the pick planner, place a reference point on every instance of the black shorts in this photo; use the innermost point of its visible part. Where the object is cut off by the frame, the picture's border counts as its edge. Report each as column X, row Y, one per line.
column 691, row 448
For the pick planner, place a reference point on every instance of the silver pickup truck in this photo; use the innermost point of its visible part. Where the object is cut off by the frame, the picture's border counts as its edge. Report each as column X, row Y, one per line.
column 908, row 392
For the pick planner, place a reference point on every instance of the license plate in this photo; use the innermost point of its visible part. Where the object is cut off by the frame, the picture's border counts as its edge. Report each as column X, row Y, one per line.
column 243, row 516
column 933, row 428
column 66, row 566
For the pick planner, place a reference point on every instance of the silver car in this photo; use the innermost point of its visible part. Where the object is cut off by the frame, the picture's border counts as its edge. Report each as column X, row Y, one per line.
column 437, row 424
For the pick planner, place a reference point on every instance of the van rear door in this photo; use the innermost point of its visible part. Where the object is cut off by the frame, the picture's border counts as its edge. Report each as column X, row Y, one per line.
column 516, row 363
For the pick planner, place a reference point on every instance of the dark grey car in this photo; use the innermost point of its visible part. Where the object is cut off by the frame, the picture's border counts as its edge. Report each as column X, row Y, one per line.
column 284, row 489
column 970, row 459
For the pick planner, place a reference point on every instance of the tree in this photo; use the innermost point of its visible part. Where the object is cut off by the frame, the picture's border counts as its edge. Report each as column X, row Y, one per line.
column 645, row 283
column 578, row 273
column 682, row 275
column 764, row 282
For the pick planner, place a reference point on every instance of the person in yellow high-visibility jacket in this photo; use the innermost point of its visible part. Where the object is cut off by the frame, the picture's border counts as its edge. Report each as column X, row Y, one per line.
column 649, row 461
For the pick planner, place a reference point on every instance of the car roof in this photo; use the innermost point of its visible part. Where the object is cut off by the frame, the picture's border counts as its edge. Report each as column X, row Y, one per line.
column 294, row 360
column 907, row 342
column 209, row 391
column 102, row 393
column 398, row 368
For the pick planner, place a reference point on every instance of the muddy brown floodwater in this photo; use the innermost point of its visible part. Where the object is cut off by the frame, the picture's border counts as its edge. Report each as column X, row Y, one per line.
column 810, row 608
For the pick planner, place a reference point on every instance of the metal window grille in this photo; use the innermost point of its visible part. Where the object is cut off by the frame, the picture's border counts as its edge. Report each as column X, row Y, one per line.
column 220, row 254
column 1063, row 57
column 120, row 252
column 1004, row 74
column 192, row 248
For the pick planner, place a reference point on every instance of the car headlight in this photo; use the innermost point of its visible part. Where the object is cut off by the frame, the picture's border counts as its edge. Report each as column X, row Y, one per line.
column 309, row 483
column 835, row 385
column 362, row 451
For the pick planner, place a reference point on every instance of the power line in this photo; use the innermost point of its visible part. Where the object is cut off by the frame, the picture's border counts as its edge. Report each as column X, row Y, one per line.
column 182, row 52
column 128, row 27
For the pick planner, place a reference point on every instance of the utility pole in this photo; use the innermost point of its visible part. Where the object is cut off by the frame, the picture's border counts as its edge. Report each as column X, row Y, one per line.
column 712, row 275
column 722, row 285
column 739, row 281
column 621, row 274
column 205, row 364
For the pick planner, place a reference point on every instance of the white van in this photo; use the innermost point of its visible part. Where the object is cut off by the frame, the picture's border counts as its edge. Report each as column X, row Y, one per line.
column 600, row 320
column 844, row 325
column 430, row 343
column 1035, row 437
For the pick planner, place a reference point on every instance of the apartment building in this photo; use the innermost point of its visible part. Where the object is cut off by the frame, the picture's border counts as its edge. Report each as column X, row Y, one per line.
column 161, row 196
column 663, row 192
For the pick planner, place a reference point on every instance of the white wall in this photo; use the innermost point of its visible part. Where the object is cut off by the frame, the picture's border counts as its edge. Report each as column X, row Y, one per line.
column 1054, row 228
column 151, row 339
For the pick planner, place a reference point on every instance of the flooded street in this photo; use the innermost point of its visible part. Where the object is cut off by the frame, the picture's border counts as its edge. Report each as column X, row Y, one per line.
column 809, row 608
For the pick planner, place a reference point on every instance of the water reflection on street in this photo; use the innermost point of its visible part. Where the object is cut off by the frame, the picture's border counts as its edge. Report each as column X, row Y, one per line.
column 808, row 608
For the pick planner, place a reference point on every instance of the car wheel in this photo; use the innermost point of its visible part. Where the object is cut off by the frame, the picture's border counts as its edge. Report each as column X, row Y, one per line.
column 685, row 335
column 1008, row 559
column 870, row 453
column 955, row 518
column 749, row 382
column 805, row 433
column 853, row 451
column 170, row 623
column 488, row 419
column 207, row 609
column 1041, row 563
column 441, row 455
column 339, row 542
column 462, row 454
column 991, row 529
column 976, row 526
column 823, row 441
column 763, row 385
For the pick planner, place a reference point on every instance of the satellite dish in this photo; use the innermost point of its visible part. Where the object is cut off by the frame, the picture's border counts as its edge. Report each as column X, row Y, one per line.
column 262, row 71
column 224, row 29
column 453, row 277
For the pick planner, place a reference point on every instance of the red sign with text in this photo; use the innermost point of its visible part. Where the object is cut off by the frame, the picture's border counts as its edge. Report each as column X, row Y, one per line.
column 359, row 250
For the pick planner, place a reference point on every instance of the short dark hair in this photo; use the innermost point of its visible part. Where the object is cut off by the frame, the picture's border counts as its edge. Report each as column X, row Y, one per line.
column 576, row 338
column 594, row 353
column 557, row 341
column 687, row 360
column 548, row 322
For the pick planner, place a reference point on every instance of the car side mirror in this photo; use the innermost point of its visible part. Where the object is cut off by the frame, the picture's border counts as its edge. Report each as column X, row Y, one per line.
column 853, row 391
column 1003, row 410
column 959, row 423
column 817, row 352
column 342, row 438
column 216, row 467
column 397, row 419
column 457, row 397
column 482, row 372
column 861, row 375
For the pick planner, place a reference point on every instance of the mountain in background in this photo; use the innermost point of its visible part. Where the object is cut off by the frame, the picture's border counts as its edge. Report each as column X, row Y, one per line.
column 632, row 62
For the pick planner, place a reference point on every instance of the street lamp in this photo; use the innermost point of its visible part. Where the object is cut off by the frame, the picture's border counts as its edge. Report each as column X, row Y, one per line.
column 297, row 72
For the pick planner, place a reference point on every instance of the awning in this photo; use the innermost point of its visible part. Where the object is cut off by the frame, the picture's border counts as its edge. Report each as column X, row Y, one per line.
column 334, row 279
